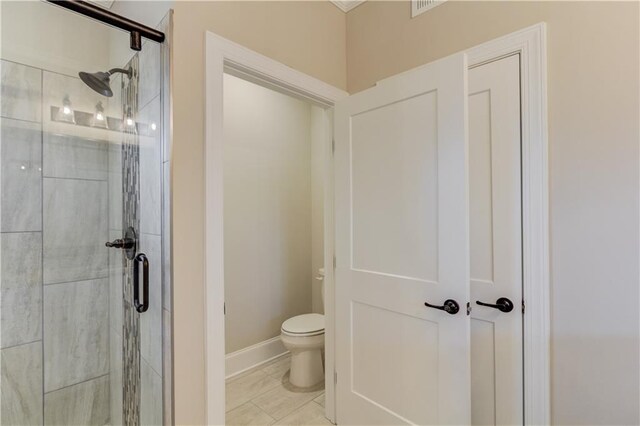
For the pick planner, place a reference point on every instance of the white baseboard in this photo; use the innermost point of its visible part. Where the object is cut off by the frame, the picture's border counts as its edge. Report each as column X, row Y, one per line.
column 245, row 359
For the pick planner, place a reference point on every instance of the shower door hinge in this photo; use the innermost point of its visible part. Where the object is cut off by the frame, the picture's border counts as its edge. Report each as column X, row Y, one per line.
column 224, row 308
column 334, row 262
column 335, row 377
column 523, row 307
column 333, row 146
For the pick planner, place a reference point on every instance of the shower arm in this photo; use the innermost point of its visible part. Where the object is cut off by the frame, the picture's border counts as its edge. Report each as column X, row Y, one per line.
column 120, row 70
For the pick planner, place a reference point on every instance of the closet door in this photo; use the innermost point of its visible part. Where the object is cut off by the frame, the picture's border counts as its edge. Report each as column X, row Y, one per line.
column 402, row 242
column 496, row 245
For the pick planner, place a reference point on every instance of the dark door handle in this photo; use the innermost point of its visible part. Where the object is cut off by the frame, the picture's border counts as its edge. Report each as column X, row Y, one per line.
column 141, row 258
column 450, row 306
column 503, row 304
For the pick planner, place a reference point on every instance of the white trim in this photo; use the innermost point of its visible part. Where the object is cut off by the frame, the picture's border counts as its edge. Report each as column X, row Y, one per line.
column 329, row 272
column 531, row 44
column 253, row 356
column 347, row 5
column 223, row 55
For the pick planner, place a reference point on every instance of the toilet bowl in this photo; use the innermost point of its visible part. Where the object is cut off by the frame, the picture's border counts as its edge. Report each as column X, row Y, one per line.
column 303, row 336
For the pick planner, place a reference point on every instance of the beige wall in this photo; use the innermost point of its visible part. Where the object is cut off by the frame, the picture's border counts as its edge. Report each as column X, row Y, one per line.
column 593, row 71
column 309, row 37
column 267, row 211
column 593, row 130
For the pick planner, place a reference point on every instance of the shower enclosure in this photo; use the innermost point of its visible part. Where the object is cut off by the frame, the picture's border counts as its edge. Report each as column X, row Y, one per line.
column 85, row 297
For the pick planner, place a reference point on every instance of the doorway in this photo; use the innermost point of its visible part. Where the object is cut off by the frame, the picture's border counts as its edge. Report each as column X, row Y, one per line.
column 266, row 355
column 274, row 173
column 529, row 44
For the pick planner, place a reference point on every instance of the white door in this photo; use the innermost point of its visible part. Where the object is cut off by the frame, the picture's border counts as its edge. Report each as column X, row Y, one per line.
column 496, row 246
column 402, row 239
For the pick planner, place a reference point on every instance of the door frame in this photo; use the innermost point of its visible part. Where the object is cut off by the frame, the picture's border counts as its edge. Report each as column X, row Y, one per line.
column 531, row 44
column 222, row 56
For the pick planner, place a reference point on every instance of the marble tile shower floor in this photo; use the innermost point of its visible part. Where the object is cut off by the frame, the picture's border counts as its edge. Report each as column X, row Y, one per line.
column 264, row 396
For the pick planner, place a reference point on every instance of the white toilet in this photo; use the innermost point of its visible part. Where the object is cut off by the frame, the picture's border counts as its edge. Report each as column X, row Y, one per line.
column 303, row 336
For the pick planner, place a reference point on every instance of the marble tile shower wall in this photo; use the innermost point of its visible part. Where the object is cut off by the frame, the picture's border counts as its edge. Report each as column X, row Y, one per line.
column 55, row 354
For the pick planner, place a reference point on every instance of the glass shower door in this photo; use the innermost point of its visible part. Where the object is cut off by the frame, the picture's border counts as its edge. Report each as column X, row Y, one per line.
column 81, row 211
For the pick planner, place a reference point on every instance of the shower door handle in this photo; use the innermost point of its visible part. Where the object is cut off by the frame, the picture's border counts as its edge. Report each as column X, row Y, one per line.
column 141, row 258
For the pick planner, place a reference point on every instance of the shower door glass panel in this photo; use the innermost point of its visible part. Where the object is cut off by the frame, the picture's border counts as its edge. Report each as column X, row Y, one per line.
column 77, row 170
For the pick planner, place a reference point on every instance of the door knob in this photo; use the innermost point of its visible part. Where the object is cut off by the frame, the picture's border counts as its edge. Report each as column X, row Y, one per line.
column 503, row 304
column 450, row 306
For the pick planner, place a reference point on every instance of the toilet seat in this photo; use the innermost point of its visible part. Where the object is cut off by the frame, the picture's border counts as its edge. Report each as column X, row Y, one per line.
column 304, row 325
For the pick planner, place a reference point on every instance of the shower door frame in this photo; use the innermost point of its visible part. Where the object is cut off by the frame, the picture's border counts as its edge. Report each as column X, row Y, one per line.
column 223, row 55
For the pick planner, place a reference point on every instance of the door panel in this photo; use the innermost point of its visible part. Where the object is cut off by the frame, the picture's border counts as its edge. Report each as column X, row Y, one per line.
column 403, row 193
column 495, row 238
column 402, row 240
column 387, row 337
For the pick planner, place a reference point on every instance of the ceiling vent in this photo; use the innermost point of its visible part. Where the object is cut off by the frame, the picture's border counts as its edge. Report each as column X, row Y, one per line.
column 421, row 6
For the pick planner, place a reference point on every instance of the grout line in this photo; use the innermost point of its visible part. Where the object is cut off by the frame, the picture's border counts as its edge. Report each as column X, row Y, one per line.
column 293, row 410
column 148, row 362
column 148, row 234
column 21, row 120
column 21, row 232
column 75, row 178
column 79, row 383
column 42, row 305
column 20, row 63
column 296, row 408
column 76, row 281
column 256, row 396
column 262, row 411
column 153, row 98
column 21, row 344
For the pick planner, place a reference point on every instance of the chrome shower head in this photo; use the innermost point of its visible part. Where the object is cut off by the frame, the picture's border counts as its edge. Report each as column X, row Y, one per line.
column 100, row 81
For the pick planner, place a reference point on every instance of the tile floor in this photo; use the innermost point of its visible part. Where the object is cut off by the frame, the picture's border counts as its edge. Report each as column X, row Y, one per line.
column 264, row 396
